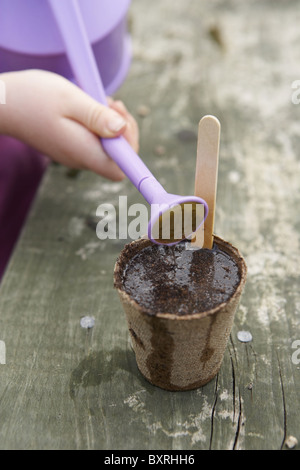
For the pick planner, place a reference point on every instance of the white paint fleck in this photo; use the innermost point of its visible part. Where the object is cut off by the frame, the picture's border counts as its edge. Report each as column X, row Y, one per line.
column 191, row 427
column 198, row 436
column 170, row 433
column 225, row 414
column 135, row 401
column 224, row 395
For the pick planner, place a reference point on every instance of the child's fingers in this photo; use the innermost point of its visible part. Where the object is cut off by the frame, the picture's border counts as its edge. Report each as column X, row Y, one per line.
column 118, row 106
column 105, row 121
column 76, row 147
column 132, row 131
column 96, row 117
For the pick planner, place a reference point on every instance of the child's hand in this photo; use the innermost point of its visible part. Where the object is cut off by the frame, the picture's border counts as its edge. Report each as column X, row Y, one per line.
column 58, row 119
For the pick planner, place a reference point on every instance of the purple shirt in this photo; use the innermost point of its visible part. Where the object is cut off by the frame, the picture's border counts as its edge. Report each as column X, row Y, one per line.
column 21, row 170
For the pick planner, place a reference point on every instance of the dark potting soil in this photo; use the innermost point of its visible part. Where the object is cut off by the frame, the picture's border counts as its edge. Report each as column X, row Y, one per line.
column 176, row 280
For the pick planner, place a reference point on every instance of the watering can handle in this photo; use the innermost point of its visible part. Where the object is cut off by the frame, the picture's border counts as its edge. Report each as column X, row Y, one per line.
column 80, row 54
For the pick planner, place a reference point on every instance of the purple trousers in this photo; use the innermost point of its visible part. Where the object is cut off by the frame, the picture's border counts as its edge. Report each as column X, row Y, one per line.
column 21, row 170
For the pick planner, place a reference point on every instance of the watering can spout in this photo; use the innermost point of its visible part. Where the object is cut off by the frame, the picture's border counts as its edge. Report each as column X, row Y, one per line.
column 153, row 191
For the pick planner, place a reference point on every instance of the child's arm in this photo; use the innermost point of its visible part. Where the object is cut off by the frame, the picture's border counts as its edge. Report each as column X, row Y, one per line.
column 58, row 119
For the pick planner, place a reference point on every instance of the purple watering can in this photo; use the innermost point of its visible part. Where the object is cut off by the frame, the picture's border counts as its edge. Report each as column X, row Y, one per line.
column 30, row 38
column 175, row 215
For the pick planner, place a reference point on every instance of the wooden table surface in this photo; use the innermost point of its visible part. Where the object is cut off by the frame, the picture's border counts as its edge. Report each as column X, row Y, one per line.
column 66, row 387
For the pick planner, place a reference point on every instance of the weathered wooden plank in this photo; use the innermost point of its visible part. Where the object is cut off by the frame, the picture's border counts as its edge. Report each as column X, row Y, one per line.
column 64, row 387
